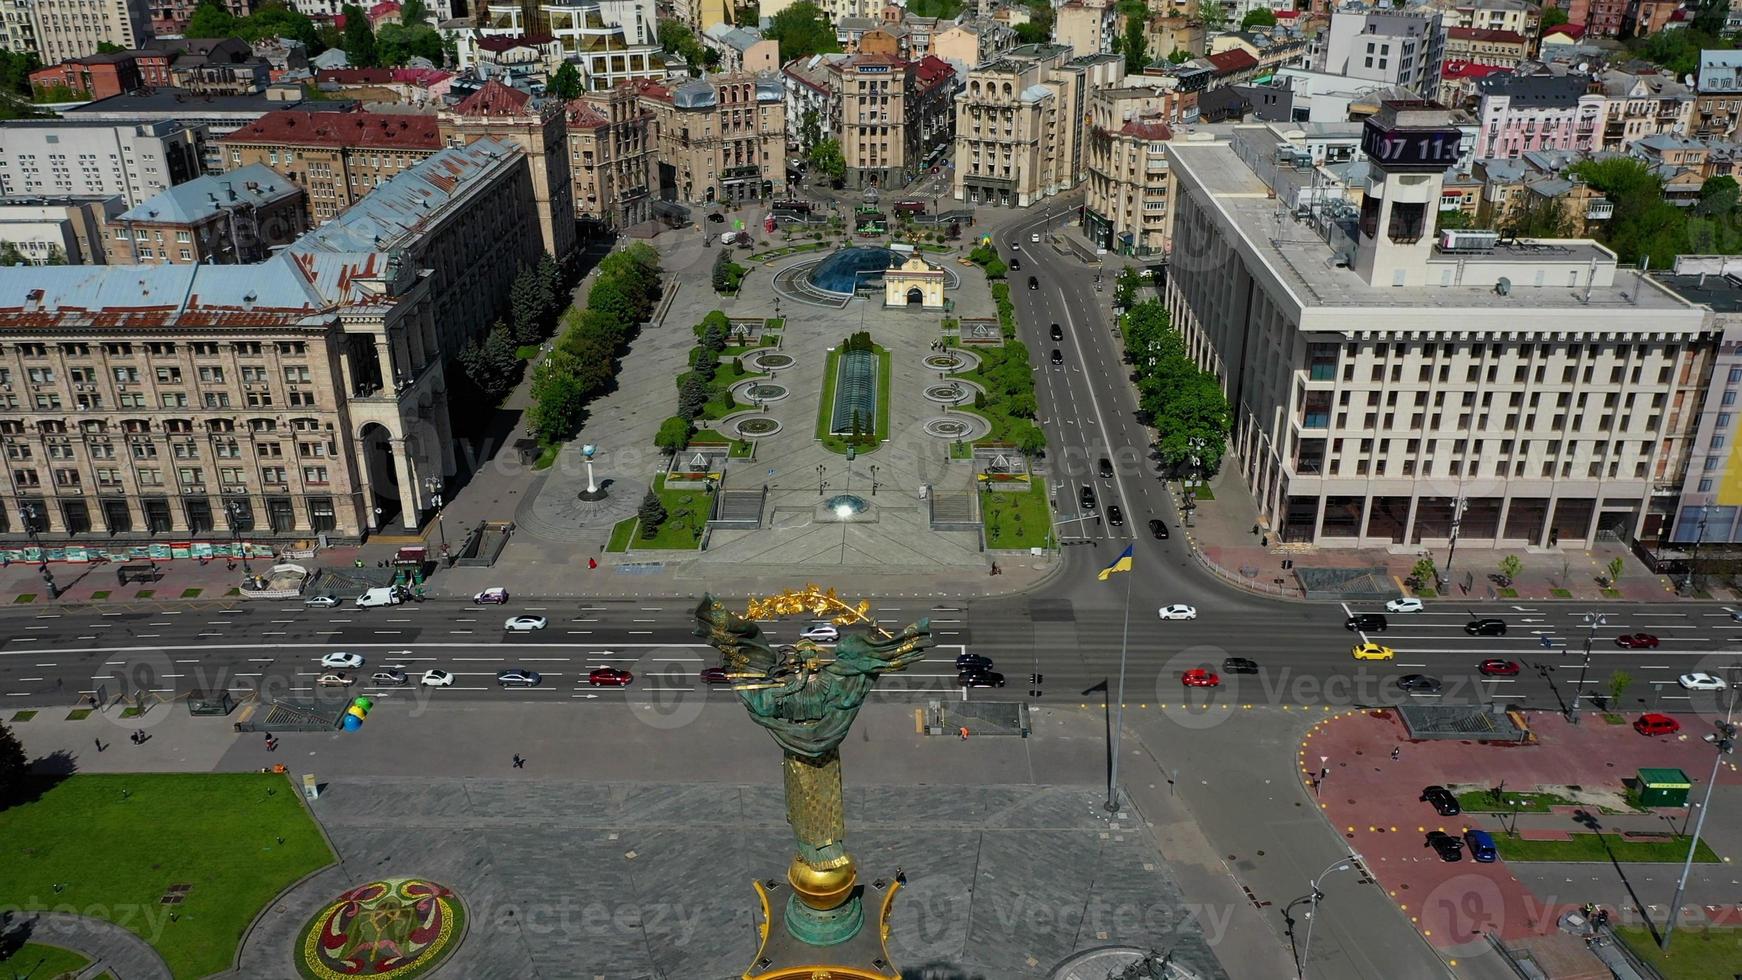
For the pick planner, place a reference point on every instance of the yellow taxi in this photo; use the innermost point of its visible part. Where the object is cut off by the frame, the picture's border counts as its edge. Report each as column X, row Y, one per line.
column 1373, row 651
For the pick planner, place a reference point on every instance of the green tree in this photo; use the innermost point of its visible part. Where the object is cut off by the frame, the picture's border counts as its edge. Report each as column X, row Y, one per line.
column 1136, row 47
column 1424, row 571
column 826, row 160
column 1718, row 195
column 561, row 405
column 677, row 38
column 15, row 69
column 396, row 44
column 692, row 397
column 1030, row 439
column 276, row 19
column 652, row 514
column 14, row 766
column 550, row 284
column 673, row 435
column 413, row 12
column 1212, row 15
column 492, row 367
column 526, row 306
column 565, row 84
column 1709, row 16
column 810, row 130
column 109, row 47
column 1033, row 32
column 1618, row 683
column 1616, row 566
column 1510, row 566
column 359, row 42
column 1551, row 17
column 707, row 364
column 801, row 30
column 1258, row 17
column 210, row 19
column 1179, row 56
column 1459, row 218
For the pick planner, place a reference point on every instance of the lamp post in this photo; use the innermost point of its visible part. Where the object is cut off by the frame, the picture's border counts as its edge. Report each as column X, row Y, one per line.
column 233, row 511
column 1592, row 621
column 1457, row 519
column 820, row 483
column 873, row 479
column 1724, row 741
column 1341, row 864
column 34, row 521
column 1694, row 561
column 433, row 487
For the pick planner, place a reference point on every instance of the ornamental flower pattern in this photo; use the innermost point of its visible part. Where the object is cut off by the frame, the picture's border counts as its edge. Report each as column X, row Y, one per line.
column 390, row 930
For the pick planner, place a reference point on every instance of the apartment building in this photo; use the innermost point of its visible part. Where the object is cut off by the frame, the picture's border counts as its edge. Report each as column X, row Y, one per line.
column 1709, row 496
column 96, row 76
column 1523, row 113
column 1086, row 26
column 59, row 230
column 1125, row 208
column 213, row 116
column 1388, row 387
column 742, row 49
column 58, row 157
column 64, row 29
column 234, row 218
column 611, row 41
column 721, row 138
column 17, row 33
column 1019, row 124
column 336, row 157
column 1389, row 47
column 809, row 84
column 1484, row 46
column 967, row 44
column 1637, row 106
column 299, row 396
column 540, row 129
column 878, row 128
column 172, row 16
column 612, row 144
column 1717, row 95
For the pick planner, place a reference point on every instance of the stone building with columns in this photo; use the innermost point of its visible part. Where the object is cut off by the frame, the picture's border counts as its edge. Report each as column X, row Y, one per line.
column 302, row 396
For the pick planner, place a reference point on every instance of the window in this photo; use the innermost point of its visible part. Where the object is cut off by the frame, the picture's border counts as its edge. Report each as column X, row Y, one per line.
column 169, row 375
column 175, row 399
column 211, row 375
column 314, row 474
column 259, row 399
column 295, row 374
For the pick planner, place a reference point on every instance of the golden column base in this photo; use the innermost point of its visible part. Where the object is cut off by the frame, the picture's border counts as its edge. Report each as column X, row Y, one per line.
column 822, row 888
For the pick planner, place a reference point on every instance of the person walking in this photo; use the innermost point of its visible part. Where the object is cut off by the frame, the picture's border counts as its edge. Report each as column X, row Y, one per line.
column 1396, row 750
column 519, row 763
column 99, row 744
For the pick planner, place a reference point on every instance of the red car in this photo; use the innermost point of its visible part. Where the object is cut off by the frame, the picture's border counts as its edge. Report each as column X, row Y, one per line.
column 715, row 675
column 1636, row 641
column 610, row 677
column 1498, row 668
column 1656, row 724
column 1199, row 677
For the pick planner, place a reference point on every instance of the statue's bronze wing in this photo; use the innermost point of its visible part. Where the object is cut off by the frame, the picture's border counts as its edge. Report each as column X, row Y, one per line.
column 743, row 648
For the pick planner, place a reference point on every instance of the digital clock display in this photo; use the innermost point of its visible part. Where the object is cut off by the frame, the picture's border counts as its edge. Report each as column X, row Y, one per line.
column 1405, row 149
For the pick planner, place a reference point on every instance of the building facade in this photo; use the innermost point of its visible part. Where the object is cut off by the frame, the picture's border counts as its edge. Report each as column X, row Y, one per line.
column 235, row 218
column 1637, row 106
column 613, row 140
column 541, row 130
column 1125, row 208
column 1524, row 113
column 63, row 157
column 1086, row 26
column 58, row 230
column 1020, row 124
column 64, row 29
column 1386, row 46
column 336, row 157
column 1482, row 46
column 721, row 138
column 97, row 76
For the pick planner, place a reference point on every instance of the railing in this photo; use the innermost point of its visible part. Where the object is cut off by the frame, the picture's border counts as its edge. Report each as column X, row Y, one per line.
column 1249, row 584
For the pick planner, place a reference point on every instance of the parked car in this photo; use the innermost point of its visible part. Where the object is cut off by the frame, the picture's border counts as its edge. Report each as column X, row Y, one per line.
column 389, row 678
column 1701, row 681
column 1486, row 627
column 524, row 624
column 1240, row 665
column 820, row 633
column 1636, row 641
column 493, row 596
column 1653, row 723
column 1498, row 668
column 980, row 678
column 519, row 677
column 1178, row 610
column 1372, row 651
column 321, row 601
column 1199, row 677
column 351, row 660
column 1481, row 846
column 1449, row 848
column 1158, row 528
column 436, row 678
column 335, row 679
column 1419, row 683
column 610, row 677
column 1407, row 604
column 1366, row 623
column 1442, row 800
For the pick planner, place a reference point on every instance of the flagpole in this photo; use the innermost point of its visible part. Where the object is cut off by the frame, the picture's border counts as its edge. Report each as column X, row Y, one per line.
column 1119, row 702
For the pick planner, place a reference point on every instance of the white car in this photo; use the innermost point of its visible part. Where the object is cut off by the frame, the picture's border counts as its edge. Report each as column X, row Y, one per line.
column 321, row 601
column 335, row 680
column 524, row 624
column 1699, row 681
column 821, row 633
column 351, row 660
column 437, row 678
column 1405, row 604
column 1034, row 239
column 1178, row 610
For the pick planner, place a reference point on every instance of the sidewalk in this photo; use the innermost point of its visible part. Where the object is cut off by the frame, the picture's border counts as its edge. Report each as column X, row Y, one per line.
column 183, row 578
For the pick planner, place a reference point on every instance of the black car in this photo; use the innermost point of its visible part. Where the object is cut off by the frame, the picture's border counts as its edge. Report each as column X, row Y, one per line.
column 1449, row 848
column 518, row 677
column 716, row 217
column 980, row 678
column 1239, row 665
column 972, row 663
column 1033, row 283
column 1158, row 528
column 1366, row 623
column 1486, row 627
column 1058, row 356
column 1015, row 263
column 1444, row 803
column 1115, row 516
column 1419, row 682
column 1105, row 468
column 1086, row 497
column 1058, row 332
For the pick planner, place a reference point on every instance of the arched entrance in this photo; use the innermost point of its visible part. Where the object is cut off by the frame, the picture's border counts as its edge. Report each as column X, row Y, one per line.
column 382, row 502
column 915, row 297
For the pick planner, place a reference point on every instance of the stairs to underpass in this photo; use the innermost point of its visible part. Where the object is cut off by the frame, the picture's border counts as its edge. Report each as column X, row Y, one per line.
column 978, row 717
column 739, row 509
column 289, row 716
column 954, row 511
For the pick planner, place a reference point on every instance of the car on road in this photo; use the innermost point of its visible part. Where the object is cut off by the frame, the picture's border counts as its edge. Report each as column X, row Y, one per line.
column 1481, row 846
column 1653, row 723
column 1015, row 246
column 1498, row 668
column 1735, row 615
column 1015, row 264
column 1372, row 651
column 1105, row 468
column 321, row 601
column 519, row 677
column 1419, row 683
column 1086, row 497
column 980, row 678
column 610, row 677
column 1115, row 516
column 524, row 624
column 1366, row 623
column 1449, row 848
column 1637, row 641
column 1240, row 665
column 389, row 678
column 1442, row 800
column 716, row 217
column 1158, row 528
column 1033, row 283
column 1178, row 610
column 1486, row 627
column 1034, row 239
column 1701, row 681
column 494, row 596
column 436, row 678
column 1199, row 677
column 351, row 660
column 1057, row 332
column 820, row 633
column 1057, row 357
column 715, row 675
column 972, row 661
column 1404, row 604
column 335, row 679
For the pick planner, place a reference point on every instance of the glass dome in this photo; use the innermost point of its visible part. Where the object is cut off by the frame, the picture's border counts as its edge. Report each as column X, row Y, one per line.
column 843, row 271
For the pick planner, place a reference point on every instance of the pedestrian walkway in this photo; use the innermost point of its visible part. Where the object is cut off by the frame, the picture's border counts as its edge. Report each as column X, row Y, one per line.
column 113, row 950
column 181, row 578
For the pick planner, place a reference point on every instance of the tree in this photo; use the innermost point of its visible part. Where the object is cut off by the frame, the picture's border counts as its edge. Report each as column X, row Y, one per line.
column 1212, row 15
column 707, row 364
column 810, row 130
column 1030, row 439
column 550, row 283
column 1263, row 17
column 492, row 366
column 396, row 44
column 1551, row 17
column 675, row 36
column 210, row 19
column 1709, row 16
column 826, row 159
column 561, row 407
column 276, row 19
column 566, row 83
column 652, row 514
column 526, row 306
column 413, row 12
column 109, row 47
column 1618, row 682
column 1718, row 195
column 15, row 69
column 692, row 397
column 359, row 38
column 1136, row 47
column 1424, row 571
column 1616, row 566
column 1179, row 56
column 14, row 765
column 1033, row 32
column 673, row 435
column 801, row 30
column 1510, row 566
column 1458, row 218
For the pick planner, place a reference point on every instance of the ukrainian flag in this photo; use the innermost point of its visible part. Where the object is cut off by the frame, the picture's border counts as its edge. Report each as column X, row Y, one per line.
column 1120, row 564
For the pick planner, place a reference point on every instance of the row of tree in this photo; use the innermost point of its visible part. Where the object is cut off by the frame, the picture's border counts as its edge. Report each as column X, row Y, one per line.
column 1645, row 225
column 1184, row 403
column 583, row 365
column 699, row 385
column 491, row 367
column 365, row 45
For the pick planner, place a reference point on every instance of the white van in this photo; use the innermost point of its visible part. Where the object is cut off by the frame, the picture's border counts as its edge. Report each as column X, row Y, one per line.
column 388, row 596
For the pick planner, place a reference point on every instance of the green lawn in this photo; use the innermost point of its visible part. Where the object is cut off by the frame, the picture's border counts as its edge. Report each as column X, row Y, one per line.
column 1599, row 848
column 826, row 406
column 1694, row 954
column 686, row 516
column 1482, row 801
column 115, row 845
column 621, row 534
column 35, row 961
column 1017, row 520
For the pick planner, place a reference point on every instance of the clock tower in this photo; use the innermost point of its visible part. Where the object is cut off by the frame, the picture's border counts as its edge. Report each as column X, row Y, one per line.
column 1409, row 146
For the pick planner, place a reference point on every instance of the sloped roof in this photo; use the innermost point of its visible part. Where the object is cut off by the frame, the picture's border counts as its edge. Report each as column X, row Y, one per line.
column 1232, row 60
column 1485, row 34
column 1570, row 31
column 1468, row 69
column 581, row 115
column 120, row 296
column 399, row 208
column 204, row 197
column 1147, row 130
column 302, row 128
column 494, row 99
column 932, row 71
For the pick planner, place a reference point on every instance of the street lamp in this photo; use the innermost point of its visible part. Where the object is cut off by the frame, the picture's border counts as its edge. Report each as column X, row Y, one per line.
column 1592, row 621
column 1341, row 864
column 873, row 479
column 432, row 485
column 820, row 483
column 34, row 522
column 1693, row 582
column 1457, row 519
column 1724, row 741
column 233, row 511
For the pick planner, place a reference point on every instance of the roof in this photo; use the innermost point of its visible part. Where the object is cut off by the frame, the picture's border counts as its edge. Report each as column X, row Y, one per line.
column 1468, row 69
column 1147, row 130
column 1484, row 34
column 508, row 42
column 362, row 129
column 1231, row 61
column 355, row 76
column 1572, row 32
column 581, row 115
column 205, row 197
column 931, row 71
column 494, row 99
column 183, row 102
column 1664, row 778
column 1536, row 91
column 399, row 208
